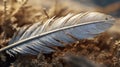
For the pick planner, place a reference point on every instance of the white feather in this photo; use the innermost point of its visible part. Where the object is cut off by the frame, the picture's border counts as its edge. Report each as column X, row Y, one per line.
column 41, row 38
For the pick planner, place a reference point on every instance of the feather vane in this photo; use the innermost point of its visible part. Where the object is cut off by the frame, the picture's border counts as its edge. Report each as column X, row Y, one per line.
column 54, row 32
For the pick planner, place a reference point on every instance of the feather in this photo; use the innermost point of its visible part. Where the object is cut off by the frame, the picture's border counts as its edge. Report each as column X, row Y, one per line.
column 56, row 32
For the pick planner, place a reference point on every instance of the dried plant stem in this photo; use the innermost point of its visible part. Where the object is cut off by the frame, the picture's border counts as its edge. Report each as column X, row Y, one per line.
column 5, row 9
column 4, row 17
column 55, row 5
column 6, row 25
column 18, row 8
column 45, row 12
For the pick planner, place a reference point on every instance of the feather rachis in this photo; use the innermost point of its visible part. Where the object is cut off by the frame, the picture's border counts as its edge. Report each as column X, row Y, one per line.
column 80, row 28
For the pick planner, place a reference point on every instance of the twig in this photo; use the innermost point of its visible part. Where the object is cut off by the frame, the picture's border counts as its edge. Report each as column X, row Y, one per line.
column 5, row 9
column 16, row 10
column 4, row 17
column 19, row 8
column 45, row 12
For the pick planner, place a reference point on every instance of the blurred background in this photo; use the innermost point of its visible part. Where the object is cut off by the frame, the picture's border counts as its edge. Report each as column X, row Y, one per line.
column 108, row 6
column 111, row 7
